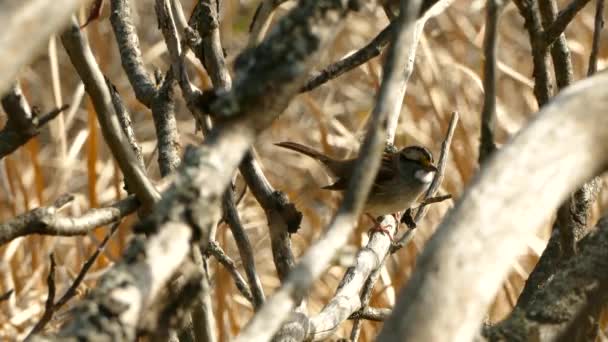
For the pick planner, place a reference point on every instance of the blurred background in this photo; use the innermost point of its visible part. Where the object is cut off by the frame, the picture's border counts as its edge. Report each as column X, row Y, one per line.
column 70, row 155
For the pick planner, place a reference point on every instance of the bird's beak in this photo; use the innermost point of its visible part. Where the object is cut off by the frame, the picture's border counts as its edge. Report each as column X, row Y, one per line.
column 429, row 167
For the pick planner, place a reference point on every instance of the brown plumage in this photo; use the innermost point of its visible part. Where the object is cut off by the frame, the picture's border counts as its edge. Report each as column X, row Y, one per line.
column 403, row 176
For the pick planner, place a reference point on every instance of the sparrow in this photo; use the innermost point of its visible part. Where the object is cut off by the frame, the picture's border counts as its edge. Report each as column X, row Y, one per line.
column 403, row 177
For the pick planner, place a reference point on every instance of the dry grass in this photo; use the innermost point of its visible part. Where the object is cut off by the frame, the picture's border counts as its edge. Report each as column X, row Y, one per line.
column 71, row 157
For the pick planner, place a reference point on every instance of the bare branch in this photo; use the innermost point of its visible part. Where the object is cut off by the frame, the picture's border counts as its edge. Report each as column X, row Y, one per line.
column 488, row 113
column 368, row 287
column 560, row 53
column 46, row 221
column 563, row 19
column 163, row 113
column 206, row 22
column 371, row 314
column 568, row 305
column 261, row 20
column 477, row 242
column 203, row 321
column 124, row 117
column 51, row 307
column 71, row 292
column 597, row 30
column 244, row 247
column 264, row 324
column 127, row 291
column 283, row 217
column 241, row 284
column 346, row 64
column 130, row 53
column 165, row 13
column 22, row 124
column 18, row 46
column 83, row 60
column 542, row 83
column 50, row 299
column 190, row 207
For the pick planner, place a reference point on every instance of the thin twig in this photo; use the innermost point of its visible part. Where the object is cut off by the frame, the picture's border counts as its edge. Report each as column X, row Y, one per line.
column 51, row 306
column 261, row 20
column 165, row 13
column 48, row 306
column 241, row 284
column 372, row 49
column 370, row 314
column 562, row 21
column 283, row 217
column 124, row 117
column 441, row 168
column 597, row 30
column 366, row 295
column 346, row 64
column 72, row 291
column 244, row 247
column 488, row 113
column 6, row 295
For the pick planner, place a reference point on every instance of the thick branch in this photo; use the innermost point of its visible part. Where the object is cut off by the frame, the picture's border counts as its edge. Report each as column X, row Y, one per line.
column 189, row 209
column 478, row 241
column 569, row 304
column 130, row 52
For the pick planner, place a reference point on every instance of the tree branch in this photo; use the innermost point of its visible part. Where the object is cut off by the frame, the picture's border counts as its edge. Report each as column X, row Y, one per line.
column 474, row 247
column 597, row 30
column 130, row 52
column 84, row 62
column 46, row 221
column 22, row 124
column 568, row 305
column 189, row 208
column 488, row 113
column 542, row 83
column 563, row 20
column 264, row 324
column 214, row 249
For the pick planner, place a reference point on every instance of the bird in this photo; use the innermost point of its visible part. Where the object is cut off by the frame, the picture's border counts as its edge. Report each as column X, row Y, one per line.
column 404, row 175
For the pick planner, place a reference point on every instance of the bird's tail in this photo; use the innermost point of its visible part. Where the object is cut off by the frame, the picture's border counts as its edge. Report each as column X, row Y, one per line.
column 306, row 151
